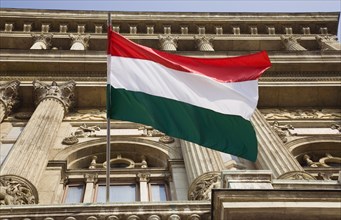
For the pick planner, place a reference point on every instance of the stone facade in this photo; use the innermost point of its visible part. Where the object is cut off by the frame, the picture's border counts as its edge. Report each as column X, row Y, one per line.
column 53, row 121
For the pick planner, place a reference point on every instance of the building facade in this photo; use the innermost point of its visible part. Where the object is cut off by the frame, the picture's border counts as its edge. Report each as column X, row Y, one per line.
column 53, row 121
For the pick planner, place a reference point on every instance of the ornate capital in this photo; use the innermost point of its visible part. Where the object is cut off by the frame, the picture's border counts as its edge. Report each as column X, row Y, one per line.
column 168, row 42
column 63, row 92
column 201, row 187
column 9, row 95
column 143, row 177
column 44, row 38
column 82, row 39
column 328, row 43
column 15, row 190
column 290, row 43
column 204, row 43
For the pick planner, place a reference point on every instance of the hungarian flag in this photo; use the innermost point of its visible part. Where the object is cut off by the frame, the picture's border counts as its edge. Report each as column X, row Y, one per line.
column 205, row 101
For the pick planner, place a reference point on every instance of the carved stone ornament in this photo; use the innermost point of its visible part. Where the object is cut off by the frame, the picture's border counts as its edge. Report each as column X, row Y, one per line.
column 143, row 177
column 201, row 187
column 70, row 140
column 291, row 43
column 149, row 131
column 65, row 92
column 87, row 115
column 44, row 38
column 9, row 95
column 166, row 139
column 296, row 175
column 86, row 131
column 282, row 130
column 204, row 43
column 168, row 42
column 328, row 43
column 83, row 39
column 15, row 190
column 271, row 114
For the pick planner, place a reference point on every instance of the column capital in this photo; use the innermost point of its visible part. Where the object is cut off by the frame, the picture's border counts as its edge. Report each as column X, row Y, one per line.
column 201, row 187
column 42, row 38
column 9, row 95
column 204, row 43
column 291, row 43
column 168, row 42
column 80, row 39
column 63, row 93
column 16, row 190
column 328, row 43
column 143, row 177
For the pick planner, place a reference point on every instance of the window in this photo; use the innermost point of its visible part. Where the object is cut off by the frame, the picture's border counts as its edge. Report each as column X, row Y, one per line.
column 118, row 193
column 8, row 141
column 158, row 192
column 74, row 194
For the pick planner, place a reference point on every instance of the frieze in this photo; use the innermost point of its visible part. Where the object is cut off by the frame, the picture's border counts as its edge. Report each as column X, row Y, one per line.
column 15, row 190
column 278, row 114
column 87, row 115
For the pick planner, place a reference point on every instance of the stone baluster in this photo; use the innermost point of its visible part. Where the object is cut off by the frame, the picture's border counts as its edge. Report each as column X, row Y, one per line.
column 79, row 42
column 200, row 163
column 32, row 147
column 168, row 43
column 290, row 43
column 41, row 41
column 328, row 43
column 204, row 43
column 272, row 154
column 9, row 98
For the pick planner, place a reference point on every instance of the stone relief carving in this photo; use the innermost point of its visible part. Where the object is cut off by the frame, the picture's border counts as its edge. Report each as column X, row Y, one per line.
column 88, row 114
column 149, row 131
column 82, row 131
column 204, row 43
column 41, row 41
column 271, row 114
column 327, row 160
column 166, row 139
column 63, row 92
column 282, row 130
column 336, row 127
column 297, row 175
column 15, row 190
column 82, row 39
column 168, row 42
column 9, row 95
column 201, row 188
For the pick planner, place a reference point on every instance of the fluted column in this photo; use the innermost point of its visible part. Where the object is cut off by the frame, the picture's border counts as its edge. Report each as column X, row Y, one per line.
column 199, row 160
column 79, row 42
column 290, row 43
column 168, row 43
column 328, row 43
column 272, row 154
column 204, row 43
column 41, row 41
column 9, row 98
column 33, row 145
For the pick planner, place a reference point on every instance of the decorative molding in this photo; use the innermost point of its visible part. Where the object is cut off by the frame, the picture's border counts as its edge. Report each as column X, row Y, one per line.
column 15, row 190
column 299, row 114
column 9, row 95
column 297, row 175
column 202, row 186
column 62, row 92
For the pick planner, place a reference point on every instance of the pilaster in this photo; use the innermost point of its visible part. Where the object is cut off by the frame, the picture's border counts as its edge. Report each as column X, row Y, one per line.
column 9, row 98
column 290, row 43
column 33, row 145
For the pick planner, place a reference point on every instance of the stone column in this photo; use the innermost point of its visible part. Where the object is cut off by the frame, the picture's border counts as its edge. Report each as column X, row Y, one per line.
column 41, row 41
column 168, row 43
column 9, row 98
column 204, row 43
column 79, row 42
column 290, row 43
column 199, row 160
column 33, row 145
column 91, row 180
column 272, row 154
column 328, row 43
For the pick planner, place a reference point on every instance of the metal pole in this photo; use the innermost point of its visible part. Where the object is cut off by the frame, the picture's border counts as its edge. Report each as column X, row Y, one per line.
column 108, row 119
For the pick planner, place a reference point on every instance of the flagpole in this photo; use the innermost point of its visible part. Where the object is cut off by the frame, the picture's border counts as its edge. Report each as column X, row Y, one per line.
column 108, row 119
